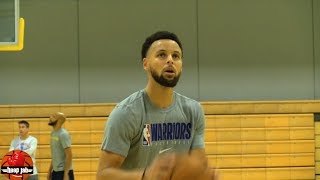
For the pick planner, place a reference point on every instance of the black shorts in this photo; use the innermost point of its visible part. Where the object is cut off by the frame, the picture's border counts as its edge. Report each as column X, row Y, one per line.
column 58, row 175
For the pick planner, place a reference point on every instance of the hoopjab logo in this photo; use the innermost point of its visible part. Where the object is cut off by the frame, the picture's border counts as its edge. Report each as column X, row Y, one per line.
column 17, row 165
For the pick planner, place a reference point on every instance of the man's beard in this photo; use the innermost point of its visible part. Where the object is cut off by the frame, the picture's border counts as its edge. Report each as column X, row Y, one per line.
column 52, row 123
column 163, row 81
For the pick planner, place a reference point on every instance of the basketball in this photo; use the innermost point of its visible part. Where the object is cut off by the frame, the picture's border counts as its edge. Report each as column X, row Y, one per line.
column 16, row 159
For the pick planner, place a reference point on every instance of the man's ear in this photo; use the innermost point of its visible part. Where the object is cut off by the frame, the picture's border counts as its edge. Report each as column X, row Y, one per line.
column 145, row 64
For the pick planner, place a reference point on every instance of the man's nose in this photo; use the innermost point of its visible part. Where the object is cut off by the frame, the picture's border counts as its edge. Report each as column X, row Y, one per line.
column 170, row 59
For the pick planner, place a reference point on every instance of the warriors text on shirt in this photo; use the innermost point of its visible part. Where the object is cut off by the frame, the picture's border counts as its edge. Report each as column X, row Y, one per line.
column 166, row 131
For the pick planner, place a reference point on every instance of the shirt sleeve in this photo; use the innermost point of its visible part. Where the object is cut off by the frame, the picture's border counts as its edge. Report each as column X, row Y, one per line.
column 119, row 131
column 65, row 140
column 198, row 140
column 12, row 145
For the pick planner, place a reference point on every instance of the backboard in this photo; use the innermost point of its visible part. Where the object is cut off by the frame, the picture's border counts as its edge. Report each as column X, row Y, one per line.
column 11, row 26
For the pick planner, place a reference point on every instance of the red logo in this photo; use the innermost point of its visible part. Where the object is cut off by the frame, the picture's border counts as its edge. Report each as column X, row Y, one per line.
column 17, row 165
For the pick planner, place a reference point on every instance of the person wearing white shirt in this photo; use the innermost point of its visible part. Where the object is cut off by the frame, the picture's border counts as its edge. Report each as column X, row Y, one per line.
column 26, row 143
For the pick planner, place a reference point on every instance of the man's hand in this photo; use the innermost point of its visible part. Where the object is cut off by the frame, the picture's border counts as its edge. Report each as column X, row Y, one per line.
column 191, row 168
column 66, row 176
column 161, row 168
column 49, row 176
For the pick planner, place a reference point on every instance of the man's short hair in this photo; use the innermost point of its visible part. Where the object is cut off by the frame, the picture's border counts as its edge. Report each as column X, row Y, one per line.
column 157, row 36
column 24, row 122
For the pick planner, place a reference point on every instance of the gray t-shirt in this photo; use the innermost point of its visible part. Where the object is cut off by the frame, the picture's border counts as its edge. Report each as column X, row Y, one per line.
column 139, row 131
column 60, row 140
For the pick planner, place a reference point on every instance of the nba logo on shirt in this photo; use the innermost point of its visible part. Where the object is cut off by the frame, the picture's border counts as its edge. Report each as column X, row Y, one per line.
column 146, row 139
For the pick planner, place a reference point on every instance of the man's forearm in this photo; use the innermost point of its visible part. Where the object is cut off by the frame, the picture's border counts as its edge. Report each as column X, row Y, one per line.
column 31, row 150
column 67, row 164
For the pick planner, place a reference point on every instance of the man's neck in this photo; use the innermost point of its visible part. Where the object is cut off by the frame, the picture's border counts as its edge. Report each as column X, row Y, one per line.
column 159, row 95
column 24, row 137
column 56, row 127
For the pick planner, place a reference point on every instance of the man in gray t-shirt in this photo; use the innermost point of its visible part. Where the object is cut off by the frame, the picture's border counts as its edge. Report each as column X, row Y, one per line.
column 61, row 153
column 156, row 133
column 140, row 131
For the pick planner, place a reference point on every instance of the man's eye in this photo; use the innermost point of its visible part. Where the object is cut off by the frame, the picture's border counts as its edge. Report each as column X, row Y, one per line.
column 176, row 56
column 162, row 55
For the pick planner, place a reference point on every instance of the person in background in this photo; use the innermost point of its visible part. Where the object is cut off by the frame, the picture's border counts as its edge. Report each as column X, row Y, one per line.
column 61, row 153
column 26, row 143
